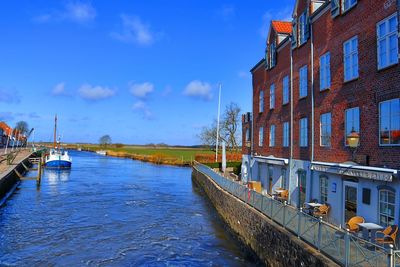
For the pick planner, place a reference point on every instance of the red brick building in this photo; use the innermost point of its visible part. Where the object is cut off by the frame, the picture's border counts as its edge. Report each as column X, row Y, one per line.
column 331, row 72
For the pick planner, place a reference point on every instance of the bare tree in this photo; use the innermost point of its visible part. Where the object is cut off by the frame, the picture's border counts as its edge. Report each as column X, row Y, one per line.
column 105, row 140
column 22, row 127
column 231, row 120
column 228, row 132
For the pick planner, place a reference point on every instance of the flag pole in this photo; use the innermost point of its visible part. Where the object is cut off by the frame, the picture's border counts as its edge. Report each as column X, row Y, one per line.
column 219, row 107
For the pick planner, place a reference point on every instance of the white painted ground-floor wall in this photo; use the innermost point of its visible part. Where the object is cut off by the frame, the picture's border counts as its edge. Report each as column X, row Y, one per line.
column 306, row 185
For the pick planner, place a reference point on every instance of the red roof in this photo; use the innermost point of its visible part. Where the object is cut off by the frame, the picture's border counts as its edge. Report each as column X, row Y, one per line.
column 282, row 26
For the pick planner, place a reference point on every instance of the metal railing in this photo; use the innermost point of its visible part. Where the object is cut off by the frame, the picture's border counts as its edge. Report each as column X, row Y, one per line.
column 340, row 245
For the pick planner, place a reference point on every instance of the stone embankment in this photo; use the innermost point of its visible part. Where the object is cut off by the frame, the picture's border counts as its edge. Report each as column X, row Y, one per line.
column 274, row 245
column 9, row 174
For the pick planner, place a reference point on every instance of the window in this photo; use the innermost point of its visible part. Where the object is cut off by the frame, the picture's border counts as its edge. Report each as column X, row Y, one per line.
column 272, row 57
column 286, row 134
column 352, row 122
column 272, row 136
column 303, row 28
column 350, row 50
column 261, row 102
column 386, row 207
column 389, row 122
column 285, row 90
column 247, row 135
column 261, row 136
column 272, row 96
column 387, row 42
column 303, row 132
column 347, row 4
column 325, row 71
column 323, row 189
column 325, row 122
column 303, row 82
column 283, row 178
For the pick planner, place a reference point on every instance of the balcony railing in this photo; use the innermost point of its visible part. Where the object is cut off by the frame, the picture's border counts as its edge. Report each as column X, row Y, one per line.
column 339, row 245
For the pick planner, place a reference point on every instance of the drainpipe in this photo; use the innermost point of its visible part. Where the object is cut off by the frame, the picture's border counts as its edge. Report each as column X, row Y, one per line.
column 312, row 105
column 291, row 117
column 250, row 175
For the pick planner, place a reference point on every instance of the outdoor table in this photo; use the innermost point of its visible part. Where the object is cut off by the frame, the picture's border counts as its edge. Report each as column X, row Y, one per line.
column 314, row 205
column 371, row 228
column 279, row 190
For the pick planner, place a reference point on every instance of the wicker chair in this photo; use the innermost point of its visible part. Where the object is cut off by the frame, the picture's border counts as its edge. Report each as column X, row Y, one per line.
column 283, row 196
column 389, row 235
column 321, row 211
column 352, row 224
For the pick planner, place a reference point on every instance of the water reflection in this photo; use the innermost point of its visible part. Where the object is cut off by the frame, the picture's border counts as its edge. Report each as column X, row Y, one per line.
column 56, row 176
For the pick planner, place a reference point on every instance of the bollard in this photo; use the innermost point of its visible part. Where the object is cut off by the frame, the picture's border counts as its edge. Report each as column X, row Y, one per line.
column 319, row 234
column 284, row 214
column 347, row 248
column 391, row 262
column 299, row 222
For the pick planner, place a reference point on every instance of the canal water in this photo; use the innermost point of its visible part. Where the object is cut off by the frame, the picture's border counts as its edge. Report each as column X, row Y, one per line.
column 114, row 212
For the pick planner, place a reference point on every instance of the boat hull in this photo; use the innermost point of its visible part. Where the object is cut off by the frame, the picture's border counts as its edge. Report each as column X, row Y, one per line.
column 58, row 164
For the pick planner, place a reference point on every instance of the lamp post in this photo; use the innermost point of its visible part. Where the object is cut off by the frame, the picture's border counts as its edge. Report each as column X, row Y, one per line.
column 353, row 139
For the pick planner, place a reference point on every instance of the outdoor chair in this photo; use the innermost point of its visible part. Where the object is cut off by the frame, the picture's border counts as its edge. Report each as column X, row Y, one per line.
column 283, row 196
column 352, row 224
column 389, row 235
column 321, row 211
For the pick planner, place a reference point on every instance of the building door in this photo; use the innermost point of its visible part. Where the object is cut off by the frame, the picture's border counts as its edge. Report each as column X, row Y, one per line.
column 349, row 200
column 270, row 178
column 302, row 181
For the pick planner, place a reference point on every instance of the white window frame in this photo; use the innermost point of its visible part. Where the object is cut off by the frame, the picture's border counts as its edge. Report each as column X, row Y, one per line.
column 272, row 135
column 355, row 122
column 261, row 136
column 350, row 62
column 303, row 132
column 323, row 124
column 272, row 96
column 261, row 101
column 349, row 7
column 325, row 71
column 303, row 82
column 285, row 90
column 387, row 203
column 285, row 135
column 387, row 42
column 323, row 189
column 390, row 115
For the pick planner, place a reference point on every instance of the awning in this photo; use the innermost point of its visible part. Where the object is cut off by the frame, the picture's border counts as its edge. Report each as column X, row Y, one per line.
column 272, row 160
column 373, row 173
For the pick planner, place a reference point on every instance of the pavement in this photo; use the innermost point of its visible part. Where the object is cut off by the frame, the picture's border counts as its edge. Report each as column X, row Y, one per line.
column 21, row 155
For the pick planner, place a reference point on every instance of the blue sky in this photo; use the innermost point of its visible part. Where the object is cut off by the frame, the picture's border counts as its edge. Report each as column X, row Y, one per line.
column 140, row 71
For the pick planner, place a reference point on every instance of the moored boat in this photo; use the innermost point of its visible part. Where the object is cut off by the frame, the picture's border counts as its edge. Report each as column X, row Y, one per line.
column 101, row 152
column 58, row 158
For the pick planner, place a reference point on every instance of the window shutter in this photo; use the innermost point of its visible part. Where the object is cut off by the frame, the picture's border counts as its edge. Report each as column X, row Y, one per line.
column 294, row 33
column 335, row 8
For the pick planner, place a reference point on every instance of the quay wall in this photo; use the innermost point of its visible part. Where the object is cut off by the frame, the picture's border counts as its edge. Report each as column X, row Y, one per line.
column 274, row 245
column 10, row 178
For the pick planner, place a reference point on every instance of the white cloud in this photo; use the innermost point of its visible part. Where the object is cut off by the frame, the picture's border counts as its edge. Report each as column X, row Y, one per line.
column 59, row 89
column 141, row 90
column 9, row 96
column 88, row 92
column 244, row 75
column 134, row 31
column 198, row 89
column 284, row 14
column 142, row 108
column 78, row 12
column 227, row 12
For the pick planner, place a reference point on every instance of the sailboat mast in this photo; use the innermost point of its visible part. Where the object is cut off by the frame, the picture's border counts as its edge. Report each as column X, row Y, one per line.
column 55, row 131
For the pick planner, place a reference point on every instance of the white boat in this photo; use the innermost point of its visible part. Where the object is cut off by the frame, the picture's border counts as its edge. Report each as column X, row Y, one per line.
column 58, row 158
column 101, row 152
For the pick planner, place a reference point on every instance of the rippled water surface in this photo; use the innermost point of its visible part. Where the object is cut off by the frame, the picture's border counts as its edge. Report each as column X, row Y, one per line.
column 118, row 212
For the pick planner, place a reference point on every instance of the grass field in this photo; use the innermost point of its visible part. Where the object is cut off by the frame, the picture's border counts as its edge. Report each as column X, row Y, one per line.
column 187, row 154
